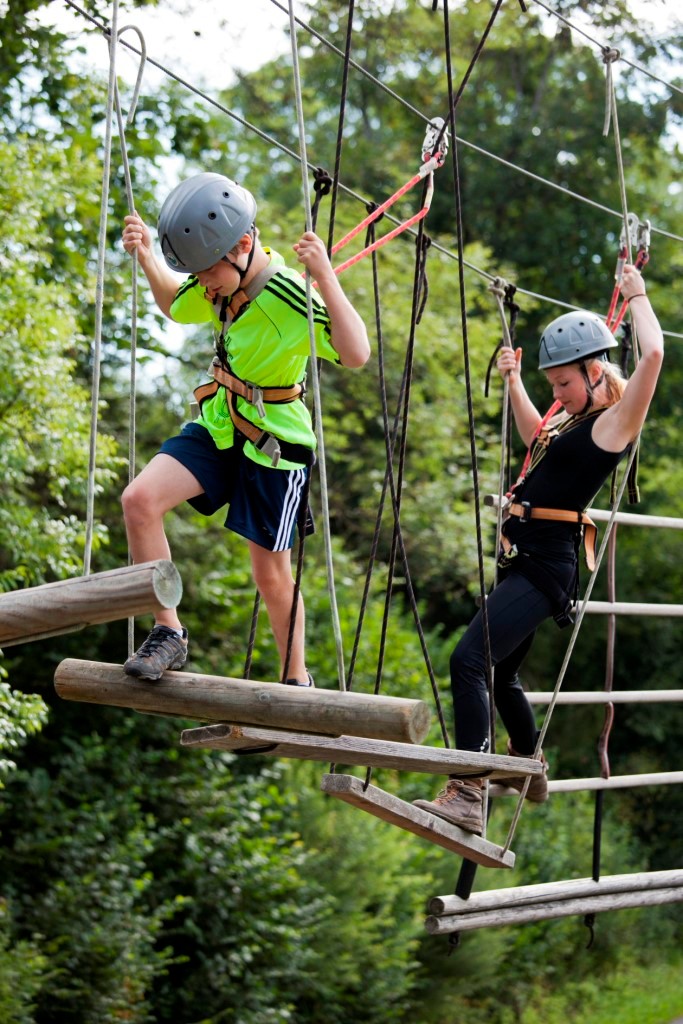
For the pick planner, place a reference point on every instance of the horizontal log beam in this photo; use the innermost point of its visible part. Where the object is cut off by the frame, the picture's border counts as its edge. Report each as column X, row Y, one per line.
column 360, row 751
column 245, row 702
column 450, row 923
column 542, row 892
column 605, row 696
column 69, row 605
column 634, row 519
column 413, row 819
column 632, row 608
column 615, row 782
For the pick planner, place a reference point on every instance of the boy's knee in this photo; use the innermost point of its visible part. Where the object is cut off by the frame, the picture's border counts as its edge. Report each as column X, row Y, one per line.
column 136, row 502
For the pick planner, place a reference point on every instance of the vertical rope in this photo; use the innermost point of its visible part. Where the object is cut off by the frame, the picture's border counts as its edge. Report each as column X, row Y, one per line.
column 453, row 101
column 324, row 498
column 497, row 288
column 132, row 411
column 99, row 296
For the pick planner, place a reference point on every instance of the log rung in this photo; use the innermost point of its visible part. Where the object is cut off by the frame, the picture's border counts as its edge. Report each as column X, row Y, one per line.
column 413, row 819
column 359, row 751
column 552, row 909
column 206, row 698
column 518, row 896
column 65, row 606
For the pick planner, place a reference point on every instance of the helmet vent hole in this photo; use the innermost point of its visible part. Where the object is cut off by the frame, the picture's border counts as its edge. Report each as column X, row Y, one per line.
column 187, row 231
column 212, row 216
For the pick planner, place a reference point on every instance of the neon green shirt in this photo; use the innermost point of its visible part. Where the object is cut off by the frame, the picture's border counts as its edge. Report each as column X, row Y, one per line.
column 268, row 345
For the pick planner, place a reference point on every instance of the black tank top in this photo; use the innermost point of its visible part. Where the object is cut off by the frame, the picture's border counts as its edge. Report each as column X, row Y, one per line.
column 569, row 475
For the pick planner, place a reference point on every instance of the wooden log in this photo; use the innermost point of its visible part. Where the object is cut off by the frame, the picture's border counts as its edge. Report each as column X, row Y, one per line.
column 68, row 605
column 355, row 750
column 413, row 819
column 543, row 892
column 218, row 699
column 632, row 608
column 615, row 782
column 449, row 923
column 606, row 696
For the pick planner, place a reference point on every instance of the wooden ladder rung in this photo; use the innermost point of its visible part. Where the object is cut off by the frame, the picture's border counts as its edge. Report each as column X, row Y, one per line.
column 356, row 750
column 413, row 819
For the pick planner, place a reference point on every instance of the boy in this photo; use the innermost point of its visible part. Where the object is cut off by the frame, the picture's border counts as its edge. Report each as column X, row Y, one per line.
column 252, row 446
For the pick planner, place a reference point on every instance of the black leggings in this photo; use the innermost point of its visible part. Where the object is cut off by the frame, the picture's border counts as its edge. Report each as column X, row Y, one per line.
column 515, row 609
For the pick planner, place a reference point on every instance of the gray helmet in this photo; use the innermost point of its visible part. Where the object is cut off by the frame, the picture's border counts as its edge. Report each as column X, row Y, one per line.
column 573, row 337
column 202, row 219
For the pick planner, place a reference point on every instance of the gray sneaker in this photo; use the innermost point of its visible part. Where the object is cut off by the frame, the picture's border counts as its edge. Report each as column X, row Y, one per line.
column 163, row 649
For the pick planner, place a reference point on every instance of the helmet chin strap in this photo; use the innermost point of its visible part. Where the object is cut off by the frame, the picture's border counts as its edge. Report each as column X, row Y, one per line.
column 250, row 256
column 590, row 387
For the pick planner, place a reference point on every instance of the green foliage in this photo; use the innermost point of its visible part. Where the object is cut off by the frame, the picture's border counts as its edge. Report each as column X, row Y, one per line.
column 143, row 882
column 22, row 970
column 40, row 399
column 21, row 715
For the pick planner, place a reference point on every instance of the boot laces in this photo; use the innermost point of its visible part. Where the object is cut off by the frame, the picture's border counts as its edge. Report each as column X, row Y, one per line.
column 156, row 639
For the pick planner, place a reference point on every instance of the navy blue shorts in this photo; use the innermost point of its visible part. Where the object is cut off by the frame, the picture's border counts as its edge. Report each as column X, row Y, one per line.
column 264, row 502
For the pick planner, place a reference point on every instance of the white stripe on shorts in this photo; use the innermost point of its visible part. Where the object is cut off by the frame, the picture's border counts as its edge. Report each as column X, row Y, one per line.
column 290, row 507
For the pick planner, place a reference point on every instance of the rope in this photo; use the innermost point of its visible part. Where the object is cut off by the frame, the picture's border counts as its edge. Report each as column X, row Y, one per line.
column 572, row 642
column 132, row 413
column 452, row 99
column 324, row 499
column 498, row 289
column 609, row 57
column 270, row 141
column 99, row 297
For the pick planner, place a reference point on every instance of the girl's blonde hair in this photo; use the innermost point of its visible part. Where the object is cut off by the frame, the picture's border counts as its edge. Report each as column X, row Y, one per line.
column 615, row 382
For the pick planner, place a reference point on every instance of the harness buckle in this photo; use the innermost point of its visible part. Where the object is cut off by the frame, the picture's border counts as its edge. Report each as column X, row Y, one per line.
column 256, row 398
column 270, row 447
column 526, row 514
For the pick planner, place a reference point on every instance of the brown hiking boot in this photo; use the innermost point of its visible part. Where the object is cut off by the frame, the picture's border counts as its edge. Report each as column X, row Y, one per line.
column 460, row 803
column 538, row 785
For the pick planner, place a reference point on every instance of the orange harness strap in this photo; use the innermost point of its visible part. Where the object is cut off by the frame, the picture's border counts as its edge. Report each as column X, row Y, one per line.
column 589, row 531
column 256, row 396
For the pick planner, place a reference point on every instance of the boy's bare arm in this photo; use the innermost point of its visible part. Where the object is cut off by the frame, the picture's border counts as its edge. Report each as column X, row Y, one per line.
column 349, row 335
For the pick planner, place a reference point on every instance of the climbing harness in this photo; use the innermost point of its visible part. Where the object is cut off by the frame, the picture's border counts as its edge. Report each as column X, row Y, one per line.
column 525, row 512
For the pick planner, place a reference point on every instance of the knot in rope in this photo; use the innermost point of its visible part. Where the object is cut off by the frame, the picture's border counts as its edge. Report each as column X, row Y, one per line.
column 498, row 287
column 322, row 181
column 610, row 54
column 322, row 186
column 371, row 206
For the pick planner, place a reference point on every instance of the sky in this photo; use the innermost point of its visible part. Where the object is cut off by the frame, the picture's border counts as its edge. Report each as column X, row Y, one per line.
column 204, row 41
column 207, row 41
